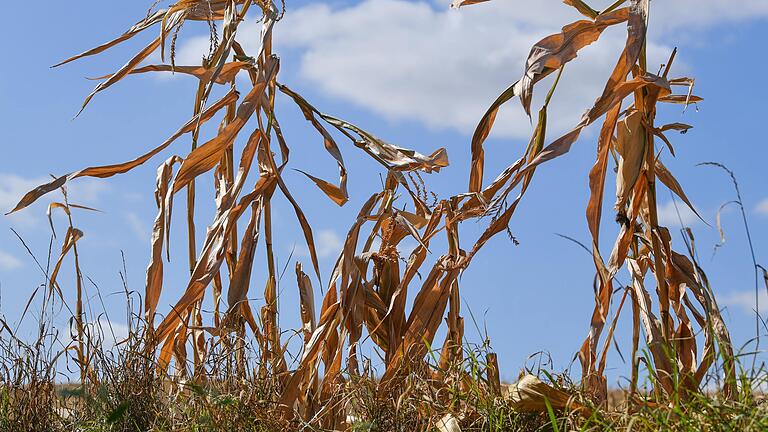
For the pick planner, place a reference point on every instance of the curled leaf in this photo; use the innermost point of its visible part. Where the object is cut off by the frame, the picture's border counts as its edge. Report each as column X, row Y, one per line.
column 531, row 394
column 550, row 53
column 460, row 3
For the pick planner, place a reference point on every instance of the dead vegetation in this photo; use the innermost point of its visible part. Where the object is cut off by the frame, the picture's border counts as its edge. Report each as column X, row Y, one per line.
column 231, row 367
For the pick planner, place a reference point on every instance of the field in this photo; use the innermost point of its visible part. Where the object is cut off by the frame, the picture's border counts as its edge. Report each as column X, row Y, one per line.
column 234, row 367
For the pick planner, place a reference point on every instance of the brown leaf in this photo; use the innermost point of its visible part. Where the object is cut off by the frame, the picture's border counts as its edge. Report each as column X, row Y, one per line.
column 227, row 75
column 306, row 228
column 460, row 3
column 309, row 112
column 391, row 156
column 335, row 193
column 582, row 7
column 563, row 144
column 631, row 147
column 123, row 71
column 66, row 209
column 597, row 174
column 237, row 295
column 328, row 323
column 306, row 303
column 636, row 34
column 681, row 99
column 636, row 37
column 330, row 144
column 680, row 127
column 105, row 171
column 481, row 134
column 154, row 283
column 653, row 334
column 241, row 279
column 671, row 182
column 73, row 235
column 133, row 31
column 426, row 315
column 211, row 257
column 208, row 155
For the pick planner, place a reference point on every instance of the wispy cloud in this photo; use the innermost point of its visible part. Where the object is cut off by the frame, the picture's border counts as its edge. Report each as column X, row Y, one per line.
column 111, row 332
column 9, row 262
column 139, row 227
column 745, row 301
column 13, row 187
column 671, row 215
column 327, row 243
column 108, row 332
column 87, row 191
column 762, row 207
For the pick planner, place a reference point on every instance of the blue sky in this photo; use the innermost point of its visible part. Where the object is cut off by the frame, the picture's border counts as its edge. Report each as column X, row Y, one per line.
column 416, row 74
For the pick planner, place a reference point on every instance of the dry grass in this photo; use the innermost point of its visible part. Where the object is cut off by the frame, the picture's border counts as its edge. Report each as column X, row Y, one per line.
column 229, row 370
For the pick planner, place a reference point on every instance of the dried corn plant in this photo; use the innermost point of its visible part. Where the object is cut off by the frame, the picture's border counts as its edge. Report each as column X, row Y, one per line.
column 685, row 303
column 366, row 296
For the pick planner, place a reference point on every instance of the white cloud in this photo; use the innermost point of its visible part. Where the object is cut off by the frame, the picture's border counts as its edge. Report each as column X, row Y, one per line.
column 421, row 61
column 668, row 215
column 86, row 191
column 109, row 333
column 745, row 301
column 8, row 261
column 409, row 61
column 139, row 227
column 327, row 244
column 762, row 207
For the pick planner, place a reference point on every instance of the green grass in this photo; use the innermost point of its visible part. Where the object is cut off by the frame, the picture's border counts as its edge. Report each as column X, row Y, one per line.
column 234, row 412
column 130, row 395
